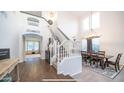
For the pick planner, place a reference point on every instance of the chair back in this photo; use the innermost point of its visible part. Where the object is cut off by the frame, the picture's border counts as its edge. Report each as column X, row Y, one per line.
column 83, row 53
column 94, row 56
column 101, row 52
column 118, row 58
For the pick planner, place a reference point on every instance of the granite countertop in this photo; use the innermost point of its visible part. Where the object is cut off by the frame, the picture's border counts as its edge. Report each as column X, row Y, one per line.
column 6, row 64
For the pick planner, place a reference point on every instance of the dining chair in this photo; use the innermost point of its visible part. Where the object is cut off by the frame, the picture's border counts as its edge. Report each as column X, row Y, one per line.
column 89, row 57
column 99, row 58
column 115, row 63
column 94, row 58
column 84, row 56
column 101, row 52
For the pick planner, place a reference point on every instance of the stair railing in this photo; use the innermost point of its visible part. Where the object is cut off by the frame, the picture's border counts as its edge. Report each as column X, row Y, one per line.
column 61, row 49
column 53, row 50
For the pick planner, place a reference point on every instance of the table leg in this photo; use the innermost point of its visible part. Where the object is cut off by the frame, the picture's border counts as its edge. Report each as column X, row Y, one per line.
column 106, row 62
column 102, row 64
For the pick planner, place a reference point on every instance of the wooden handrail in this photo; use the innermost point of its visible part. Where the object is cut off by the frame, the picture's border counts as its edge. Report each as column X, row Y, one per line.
column 63, row 33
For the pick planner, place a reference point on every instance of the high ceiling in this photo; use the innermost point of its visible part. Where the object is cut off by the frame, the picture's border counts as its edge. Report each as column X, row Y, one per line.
column 73, row 13
column 79, row 13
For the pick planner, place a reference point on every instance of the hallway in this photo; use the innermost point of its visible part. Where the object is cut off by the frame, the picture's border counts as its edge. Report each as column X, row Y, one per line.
column 36, row 70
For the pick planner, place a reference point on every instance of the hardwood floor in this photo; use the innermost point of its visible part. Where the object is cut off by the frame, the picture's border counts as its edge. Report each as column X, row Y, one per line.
column 36, row 70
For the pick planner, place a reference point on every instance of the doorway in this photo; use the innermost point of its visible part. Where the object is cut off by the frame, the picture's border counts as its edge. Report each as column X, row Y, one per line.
column 32, row 47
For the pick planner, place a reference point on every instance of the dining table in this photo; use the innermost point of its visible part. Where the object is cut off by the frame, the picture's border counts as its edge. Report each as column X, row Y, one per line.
column 105, row 58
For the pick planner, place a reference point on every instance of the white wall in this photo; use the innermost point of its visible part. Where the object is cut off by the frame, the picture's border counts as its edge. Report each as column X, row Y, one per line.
column 9, row 32
column 12, row 26
column 68, row 24
column 112, row 31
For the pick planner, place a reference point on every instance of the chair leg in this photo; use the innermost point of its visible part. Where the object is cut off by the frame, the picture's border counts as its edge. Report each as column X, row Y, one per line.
column 115, row 68
column 105, row 64
column 85, row 61
column 100, row 63
column 97, row 64
column 93, row 62
column 118, row 67
column 90, row 63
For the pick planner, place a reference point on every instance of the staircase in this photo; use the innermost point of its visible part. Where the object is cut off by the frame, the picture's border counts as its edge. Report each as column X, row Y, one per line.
column 64, row 53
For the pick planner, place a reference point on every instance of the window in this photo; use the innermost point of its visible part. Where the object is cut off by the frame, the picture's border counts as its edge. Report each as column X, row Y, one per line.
column 86, row 28
column 32, row 45
column 86, row 24
column 29, row 46
column 95, row 26
column 95, row 44
column 36, row 45
column 95, row 22
column 84, row 45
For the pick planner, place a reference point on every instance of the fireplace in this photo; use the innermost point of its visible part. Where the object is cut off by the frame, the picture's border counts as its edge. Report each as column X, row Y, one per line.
column 4, row 53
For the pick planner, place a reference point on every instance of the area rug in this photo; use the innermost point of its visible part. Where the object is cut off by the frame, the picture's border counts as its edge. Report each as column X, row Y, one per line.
column 108, row 71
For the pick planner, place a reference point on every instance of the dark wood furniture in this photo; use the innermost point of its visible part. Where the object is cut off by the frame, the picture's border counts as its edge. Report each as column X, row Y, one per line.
column 116, row 63
column 84, row 56
column 95, row 58
column 106, row 57
column 101, row 57
column 90, row 57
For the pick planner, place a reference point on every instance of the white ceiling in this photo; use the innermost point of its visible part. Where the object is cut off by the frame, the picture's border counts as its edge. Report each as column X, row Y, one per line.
column 79, row 13
column 73, row 13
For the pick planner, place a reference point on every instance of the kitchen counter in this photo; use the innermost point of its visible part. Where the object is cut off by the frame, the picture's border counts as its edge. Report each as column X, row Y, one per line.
column 7, row 65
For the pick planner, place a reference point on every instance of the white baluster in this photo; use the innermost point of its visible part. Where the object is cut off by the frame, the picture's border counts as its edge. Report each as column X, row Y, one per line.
column 62, row 52
column 55, row 48
column 58, row 50
column 68, row 52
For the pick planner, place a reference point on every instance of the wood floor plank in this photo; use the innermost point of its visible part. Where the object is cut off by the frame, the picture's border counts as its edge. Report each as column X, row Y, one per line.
column 36, row 70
